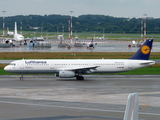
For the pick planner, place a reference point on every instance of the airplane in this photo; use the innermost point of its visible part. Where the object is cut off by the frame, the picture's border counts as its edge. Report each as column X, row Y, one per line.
column 18, row 37
column 9, row 33
column 69, row 68
column 90, row 45
column 75, row 43
column 131, row 111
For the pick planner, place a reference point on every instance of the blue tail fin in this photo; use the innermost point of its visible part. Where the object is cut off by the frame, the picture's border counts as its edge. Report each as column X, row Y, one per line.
column 144, row 52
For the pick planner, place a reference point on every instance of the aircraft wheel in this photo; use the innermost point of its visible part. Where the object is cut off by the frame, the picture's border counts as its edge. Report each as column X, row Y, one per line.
column 79, row 77
column 82, row 78
column 21, row 78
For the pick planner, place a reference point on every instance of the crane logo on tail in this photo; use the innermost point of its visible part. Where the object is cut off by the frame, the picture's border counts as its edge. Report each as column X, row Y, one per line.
column 145, row 49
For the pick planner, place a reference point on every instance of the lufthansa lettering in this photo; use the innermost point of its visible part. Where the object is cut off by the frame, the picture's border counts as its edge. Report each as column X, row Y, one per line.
column 35, row 62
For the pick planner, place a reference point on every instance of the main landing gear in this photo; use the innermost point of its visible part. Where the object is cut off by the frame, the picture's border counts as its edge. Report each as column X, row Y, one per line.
column 79, row 77
column 25, row 42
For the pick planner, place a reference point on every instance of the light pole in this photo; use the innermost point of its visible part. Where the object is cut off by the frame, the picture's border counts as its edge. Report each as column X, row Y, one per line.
column 71, row 23
column 21, row 25
column 103, row 33
column 41, row 31
column 145, row 30
column 63, row 29
column 3, row 23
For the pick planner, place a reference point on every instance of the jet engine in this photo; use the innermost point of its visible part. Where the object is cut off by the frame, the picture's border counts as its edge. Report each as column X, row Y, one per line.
column 66, row 74
column 91, row 45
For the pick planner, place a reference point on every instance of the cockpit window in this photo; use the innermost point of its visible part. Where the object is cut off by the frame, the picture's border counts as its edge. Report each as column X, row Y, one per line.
column 12, row 64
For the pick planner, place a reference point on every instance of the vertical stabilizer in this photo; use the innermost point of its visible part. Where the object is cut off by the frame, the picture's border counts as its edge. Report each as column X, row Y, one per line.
column 15, row 29
column 131, row 112
column 144, row 52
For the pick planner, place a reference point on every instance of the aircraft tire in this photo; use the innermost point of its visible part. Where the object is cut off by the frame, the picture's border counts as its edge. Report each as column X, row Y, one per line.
column 79, row 77
column 21, row 78
column 82, row 78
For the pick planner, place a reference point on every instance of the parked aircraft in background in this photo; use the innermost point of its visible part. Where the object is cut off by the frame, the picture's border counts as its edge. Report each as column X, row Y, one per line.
column 90, row 45
column 75, row 43
column 18, row 37
column 9, row 33
column 69, row 68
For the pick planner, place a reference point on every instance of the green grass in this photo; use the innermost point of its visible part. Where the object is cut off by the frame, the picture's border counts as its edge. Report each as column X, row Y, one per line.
column 141, row 71
column 2, row 72
column 69, row 55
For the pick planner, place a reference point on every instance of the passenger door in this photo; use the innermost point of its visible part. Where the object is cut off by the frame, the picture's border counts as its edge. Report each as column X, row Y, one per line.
column 22, row 64
column 52, row 65
column 130, row 65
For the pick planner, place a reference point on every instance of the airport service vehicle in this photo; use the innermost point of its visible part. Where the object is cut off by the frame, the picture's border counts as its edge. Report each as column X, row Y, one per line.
column 69, row 68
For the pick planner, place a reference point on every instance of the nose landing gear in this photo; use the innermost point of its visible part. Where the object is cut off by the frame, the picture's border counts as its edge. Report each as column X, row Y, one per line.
column 21, row 78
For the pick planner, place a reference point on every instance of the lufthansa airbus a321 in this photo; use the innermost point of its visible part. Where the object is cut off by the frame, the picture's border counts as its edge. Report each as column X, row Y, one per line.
column 68, row 68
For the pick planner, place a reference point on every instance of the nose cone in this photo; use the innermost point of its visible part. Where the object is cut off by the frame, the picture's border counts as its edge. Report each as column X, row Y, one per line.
column 91, row 45
column 6, row 68
column 21, row 38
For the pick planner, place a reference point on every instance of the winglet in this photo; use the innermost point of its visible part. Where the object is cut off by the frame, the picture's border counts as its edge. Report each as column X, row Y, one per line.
column 144, row 52
column 131, row 112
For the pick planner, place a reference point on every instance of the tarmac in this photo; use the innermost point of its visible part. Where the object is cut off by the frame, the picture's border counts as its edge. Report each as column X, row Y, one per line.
column 98, row 97
column 101, row 46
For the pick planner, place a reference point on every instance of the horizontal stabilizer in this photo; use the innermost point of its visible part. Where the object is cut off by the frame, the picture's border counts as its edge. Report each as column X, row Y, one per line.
column 147, row 63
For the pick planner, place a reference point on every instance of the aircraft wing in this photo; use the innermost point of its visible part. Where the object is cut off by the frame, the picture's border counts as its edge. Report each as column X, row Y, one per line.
column 7, row 38
column 88, row 69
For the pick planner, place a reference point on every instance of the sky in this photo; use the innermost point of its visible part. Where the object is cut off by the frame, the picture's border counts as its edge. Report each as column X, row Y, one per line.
column 115, row 8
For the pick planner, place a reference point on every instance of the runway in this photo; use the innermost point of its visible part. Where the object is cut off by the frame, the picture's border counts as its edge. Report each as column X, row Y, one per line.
column 44, row 97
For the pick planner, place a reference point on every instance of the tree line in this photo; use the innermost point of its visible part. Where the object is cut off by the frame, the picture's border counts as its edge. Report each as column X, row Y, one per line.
column 83, row 23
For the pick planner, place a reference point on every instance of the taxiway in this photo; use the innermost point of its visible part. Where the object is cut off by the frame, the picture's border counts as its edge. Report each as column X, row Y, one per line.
column 41, row 97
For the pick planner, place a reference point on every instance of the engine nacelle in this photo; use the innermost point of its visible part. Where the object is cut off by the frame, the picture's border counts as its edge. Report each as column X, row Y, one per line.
column 66, row 74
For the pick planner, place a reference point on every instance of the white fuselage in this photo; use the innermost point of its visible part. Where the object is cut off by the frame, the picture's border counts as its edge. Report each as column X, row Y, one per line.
column 18, row 37
column 10, row 33
column 84, row 66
